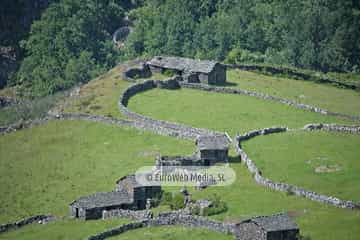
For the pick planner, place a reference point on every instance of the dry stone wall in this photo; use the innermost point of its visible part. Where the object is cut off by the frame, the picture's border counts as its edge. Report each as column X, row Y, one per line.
column 159, row 126
column 298, row 191
column 167, row 219
column 26, row 221
column 292, row 72
column 332, row 127
column 123, row 213
column 266, row 97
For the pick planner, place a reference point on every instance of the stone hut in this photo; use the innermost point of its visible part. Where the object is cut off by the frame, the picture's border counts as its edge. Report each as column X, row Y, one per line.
column 128, row 195
column 192, row 71
column 91, row 207
column 274, row 227
column 139, row 193
column 213, row 149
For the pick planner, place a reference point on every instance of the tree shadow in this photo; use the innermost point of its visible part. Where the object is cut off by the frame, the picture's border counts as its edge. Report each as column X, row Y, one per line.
column 227, row 84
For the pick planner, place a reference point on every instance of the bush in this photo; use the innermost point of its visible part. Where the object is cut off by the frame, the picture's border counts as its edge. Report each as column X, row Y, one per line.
column 238, row 55
column 169, row 72
column 175, row 201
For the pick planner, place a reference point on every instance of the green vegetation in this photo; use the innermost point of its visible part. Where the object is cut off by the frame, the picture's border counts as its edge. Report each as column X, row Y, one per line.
column 224, row 112
column 173, row 233
column 320, row 95
column 318, row 34
column 100, row 96
column 48, row 167
column 174, row 201
column 71, row 43
column 62, row 230
column 29, row 109
column 78, row 158
column 320, row 161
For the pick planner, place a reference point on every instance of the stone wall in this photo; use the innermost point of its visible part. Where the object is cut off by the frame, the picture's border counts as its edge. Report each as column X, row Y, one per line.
column 158, row 126
column 167, row 219
column 192, row 160
column 266, row 97
column 292, row 72
column 25, row 221
column 140, row 71
column 121, row 213
column 283, row 186
column 332, row 127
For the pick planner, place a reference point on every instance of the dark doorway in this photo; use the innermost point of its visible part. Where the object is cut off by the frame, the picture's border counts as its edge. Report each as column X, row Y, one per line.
column 206, row 162
column 76, row 212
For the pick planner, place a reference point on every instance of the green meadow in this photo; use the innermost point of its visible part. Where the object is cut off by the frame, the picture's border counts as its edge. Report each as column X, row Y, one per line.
column 44, row 168
column 223, row 112
column 325, row 162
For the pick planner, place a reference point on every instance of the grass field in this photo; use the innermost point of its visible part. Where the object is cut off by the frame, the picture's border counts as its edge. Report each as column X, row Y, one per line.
column 62, row 230
column 101, row 96
column 223, row 112
column 44, row 168
column 49, row 166
column 172, row 233
column 321, row 95
column 321, row 161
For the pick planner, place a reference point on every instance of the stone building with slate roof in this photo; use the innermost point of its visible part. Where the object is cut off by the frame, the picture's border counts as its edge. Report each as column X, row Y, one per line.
column 127, row 195
column 192, row 71
column 213, row 149
column 138, row 192
column 274, row 227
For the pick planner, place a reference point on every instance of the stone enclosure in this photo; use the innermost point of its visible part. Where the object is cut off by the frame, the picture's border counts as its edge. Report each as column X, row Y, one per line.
column 212, row 148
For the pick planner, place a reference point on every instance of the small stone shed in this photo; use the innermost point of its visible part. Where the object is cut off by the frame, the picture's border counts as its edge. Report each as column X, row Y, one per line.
column 138, row 192
column 192, row 71
column 274, row 227
column 92, row 206
column 213, row 149
column 128, row 194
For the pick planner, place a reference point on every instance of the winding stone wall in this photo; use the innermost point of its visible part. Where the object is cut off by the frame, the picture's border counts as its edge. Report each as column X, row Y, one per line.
column 159, row 126
column 24, row 222
column 283, row 186
column 167, row 219
column 266, row 97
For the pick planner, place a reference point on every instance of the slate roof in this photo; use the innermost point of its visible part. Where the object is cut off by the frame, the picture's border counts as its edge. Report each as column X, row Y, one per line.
column 130, row 178
column 216, row 142
column 183, row 64
column 103, row 199
column 277, row 222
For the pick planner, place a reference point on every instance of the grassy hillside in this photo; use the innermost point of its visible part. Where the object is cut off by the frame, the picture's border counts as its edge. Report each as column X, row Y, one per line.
column 62, row 230
column 224, row 112
column 44, row 168
column 321, row 95
column 321, row 161
column 173, row 233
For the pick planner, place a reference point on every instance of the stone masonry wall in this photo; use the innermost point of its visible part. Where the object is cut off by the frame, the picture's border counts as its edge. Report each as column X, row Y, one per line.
column 122, row 213
column 158, row 126
column 266, row 97
column 24, row 222
column 332, row 127
column 283, row 186
column 289, row 71
column 167, row 219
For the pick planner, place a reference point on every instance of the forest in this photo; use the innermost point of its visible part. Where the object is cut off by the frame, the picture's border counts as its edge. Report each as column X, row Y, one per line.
column 71, row 42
